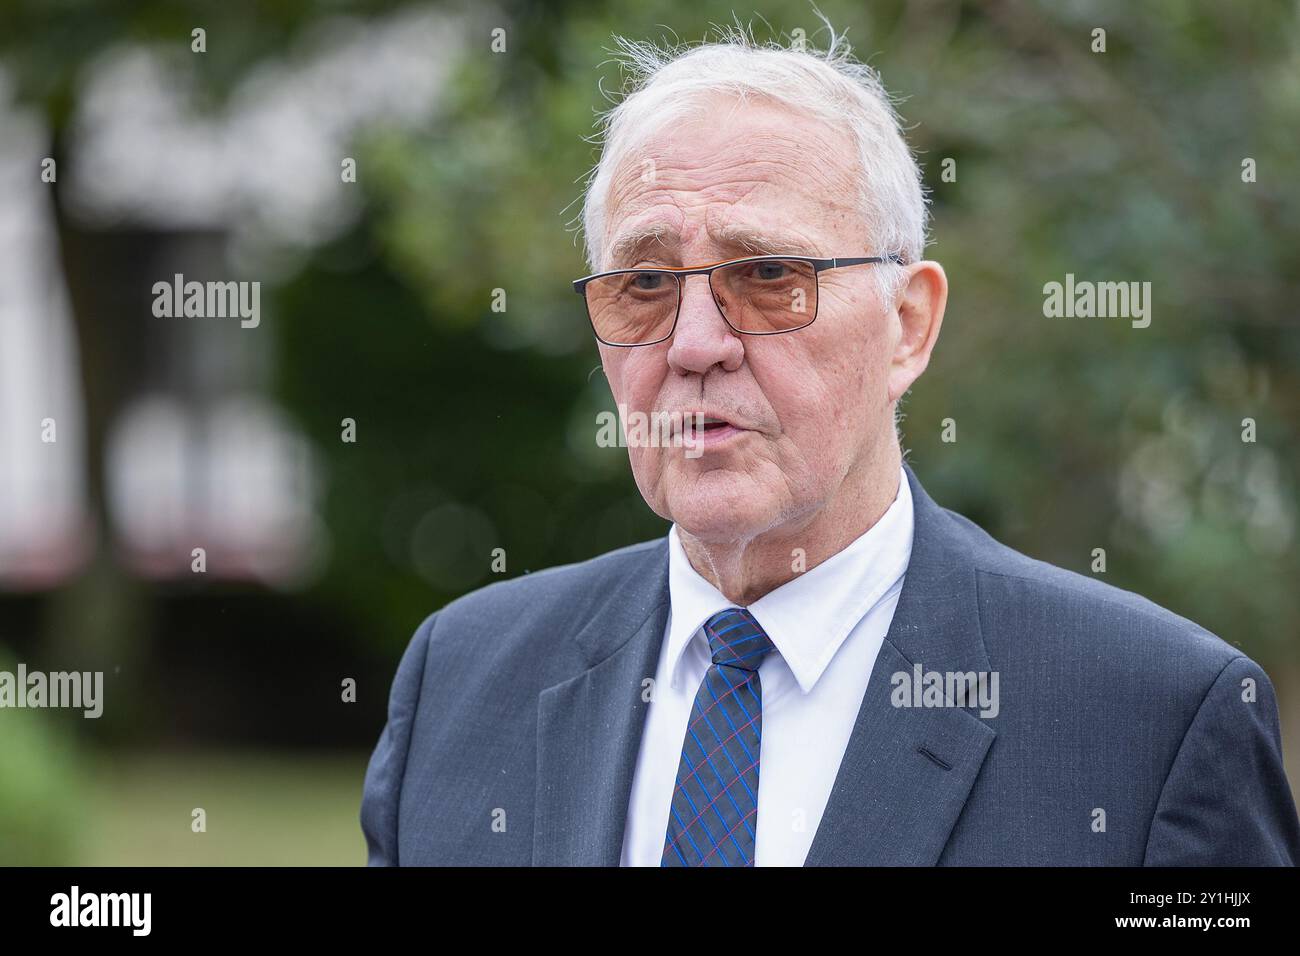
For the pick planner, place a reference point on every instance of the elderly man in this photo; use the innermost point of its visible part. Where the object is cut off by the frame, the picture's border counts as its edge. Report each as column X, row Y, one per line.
column 818, row 664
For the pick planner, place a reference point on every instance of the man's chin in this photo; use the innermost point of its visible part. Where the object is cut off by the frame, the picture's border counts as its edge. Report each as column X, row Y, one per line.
column 719, row 516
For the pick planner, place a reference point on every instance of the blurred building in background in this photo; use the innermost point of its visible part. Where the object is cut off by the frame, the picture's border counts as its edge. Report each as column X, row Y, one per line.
column 45, row 532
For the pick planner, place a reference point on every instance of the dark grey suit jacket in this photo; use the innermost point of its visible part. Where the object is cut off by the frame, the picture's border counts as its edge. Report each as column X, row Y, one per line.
column 1125, row 735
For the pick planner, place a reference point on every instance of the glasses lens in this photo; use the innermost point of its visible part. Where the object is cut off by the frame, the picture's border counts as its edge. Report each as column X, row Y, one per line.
column 633, row 308
column 771, row 295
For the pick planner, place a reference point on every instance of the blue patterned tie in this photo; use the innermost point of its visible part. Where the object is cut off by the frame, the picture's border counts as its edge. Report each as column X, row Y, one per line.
column 714, row 813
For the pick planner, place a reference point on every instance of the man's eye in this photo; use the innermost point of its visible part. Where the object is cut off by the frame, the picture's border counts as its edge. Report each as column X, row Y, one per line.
column 648, row 281
column 770, row 270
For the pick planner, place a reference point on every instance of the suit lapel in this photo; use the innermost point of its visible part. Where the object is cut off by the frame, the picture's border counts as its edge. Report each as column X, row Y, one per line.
column 589, row 726
column 907, row 771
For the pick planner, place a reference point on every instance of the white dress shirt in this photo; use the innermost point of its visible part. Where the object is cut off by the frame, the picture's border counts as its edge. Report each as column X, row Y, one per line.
column 827, row 625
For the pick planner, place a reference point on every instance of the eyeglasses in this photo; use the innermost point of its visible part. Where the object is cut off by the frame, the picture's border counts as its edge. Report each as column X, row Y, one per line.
column 757, row 295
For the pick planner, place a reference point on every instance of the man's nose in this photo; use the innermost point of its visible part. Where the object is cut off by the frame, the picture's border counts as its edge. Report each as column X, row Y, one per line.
column 703, row 338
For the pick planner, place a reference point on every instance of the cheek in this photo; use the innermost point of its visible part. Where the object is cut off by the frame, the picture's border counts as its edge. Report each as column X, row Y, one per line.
column 634, row 378
column 822, row 383
column 612, row 362
column 827, row 395
column 854, row 371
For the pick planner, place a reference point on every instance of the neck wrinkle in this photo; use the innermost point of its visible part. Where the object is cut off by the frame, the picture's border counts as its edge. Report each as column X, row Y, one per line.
column 746, row 570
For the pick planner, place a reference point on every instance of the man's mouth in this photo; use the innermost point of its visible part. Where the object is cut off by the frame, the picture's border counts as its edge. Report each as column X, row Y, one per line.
column 708, row 431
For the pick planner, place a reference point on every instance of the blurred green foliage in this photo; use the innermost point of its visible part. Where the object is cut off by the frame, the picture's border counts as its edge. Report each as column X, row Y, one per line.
column 41, row 786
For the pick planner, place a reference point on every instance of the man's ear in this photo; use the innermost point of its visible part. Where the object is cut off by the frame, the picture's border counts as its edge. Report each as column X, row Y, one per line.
column 919, row 305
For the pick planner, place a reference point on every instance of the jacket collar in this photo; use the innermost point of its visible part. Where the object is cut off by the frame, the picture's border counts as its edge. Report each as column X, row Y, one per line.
column 810, row 616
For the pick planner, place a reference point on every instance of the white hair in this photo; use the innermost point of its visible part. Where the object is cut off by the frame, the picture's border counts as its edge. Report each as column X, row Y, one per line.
column 666, row 83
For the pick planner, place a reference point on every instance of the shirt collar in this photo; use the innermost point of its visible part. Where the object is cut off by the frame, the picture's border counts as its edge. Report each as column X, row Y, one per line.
column 809, row 616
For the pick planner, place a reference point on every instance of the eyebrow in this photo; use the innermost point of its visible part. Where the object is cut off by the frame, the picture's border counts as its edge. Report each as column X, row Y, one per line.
column 634, row 244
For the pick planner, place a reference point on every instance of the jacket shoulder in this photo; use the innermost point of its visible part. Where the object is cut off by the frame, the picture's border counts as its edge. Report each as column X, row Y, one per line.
column 568, row 585
column 1097, row 618
column 549, row 600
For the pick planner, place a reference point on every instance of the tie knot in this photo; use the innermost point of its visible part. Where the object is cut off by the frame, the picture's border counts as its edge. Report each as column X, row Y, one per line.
column 736, row 639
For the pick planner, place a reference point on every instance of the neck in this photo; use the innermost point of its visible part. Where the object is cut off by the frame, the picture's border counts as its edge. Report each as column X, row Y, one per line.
column 746, row 569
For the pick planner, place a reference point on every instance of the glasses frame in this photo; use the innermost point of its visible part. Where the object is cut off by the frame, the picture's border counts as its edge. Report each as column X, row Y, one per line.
column 819, row 265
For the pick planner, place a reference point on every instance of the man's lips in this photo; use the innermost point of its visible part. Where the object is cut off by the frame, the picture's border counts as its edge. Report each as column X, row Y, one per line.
column 704, row 429
column 716, row 434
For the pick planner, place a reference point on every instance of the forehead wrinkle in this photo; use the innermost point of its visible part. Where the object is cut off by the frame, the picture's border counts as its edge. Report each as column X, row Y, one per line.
column 752, row 239
column 738, row 158
column 786, row 168
column 760, row 240
column 779, row 147
column 729, row 176
column 721, row 201
column 804, row 150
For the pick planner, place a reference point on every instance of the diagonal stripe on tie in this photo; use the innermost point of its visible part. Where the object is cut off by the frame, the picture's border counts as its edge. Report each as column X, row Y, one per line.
column 713, row 818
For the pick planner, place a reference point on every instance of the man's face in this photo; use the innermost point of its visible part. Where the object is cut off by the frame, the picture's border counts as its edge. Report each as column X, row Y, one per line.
column 808, row 409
